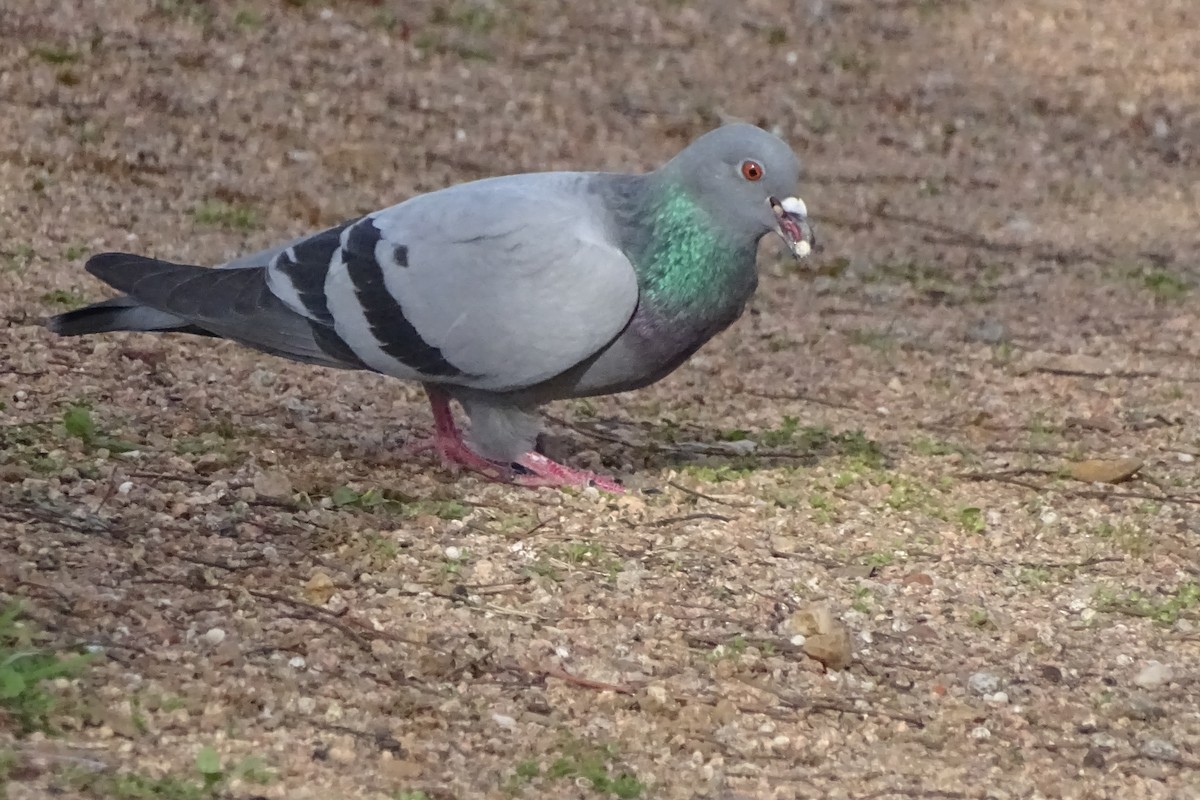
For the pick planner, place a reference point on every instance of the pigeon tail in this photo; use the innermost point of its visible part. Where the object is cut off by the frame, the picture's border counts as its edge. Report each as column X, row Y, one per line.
column 236, row 304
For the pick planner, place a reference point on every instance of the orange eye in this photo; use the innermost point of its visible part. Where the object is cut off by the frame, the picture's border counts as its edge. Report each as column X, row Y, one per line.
column 751, row 170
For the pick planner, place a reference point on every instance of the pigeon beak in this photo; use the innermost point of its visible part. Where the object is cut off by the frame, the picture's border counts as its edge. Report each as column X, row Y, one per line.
column 791, row 223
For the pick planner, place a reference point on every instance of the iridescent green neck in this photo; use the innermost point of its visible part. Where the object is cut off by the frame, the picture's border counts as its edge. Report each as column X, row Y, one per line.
column 686, row 258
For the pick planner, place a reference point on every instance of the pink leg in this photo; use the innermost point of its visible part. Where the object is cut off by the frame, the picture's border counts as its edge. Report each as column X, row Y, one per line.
column 447, row 442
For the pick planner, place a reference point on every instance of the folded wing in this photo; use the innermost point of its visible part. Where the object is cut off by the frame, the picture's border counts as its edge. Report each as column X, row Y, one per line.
column 497, row 285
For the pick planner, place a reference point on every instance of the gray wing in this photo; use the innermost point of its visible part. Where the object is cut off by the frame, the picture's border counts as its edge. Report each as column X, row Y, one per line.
column 497, row 285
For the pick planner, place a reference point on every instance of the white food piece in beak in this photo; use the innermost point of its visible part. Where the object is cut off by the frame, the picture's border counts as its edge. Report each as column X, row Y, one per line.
column 794, row 205
column 801, row 248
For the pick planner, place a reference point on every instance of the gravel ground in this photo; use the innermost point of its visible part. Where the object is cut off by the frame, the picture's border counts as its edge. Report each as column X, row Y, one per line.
column 922, row 524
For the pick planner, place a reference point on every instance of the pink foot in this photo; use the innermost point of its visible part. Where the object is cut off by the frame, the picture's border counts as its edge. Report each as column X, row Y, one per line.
column 455, row 454
column 546, row 472
column 447, row 442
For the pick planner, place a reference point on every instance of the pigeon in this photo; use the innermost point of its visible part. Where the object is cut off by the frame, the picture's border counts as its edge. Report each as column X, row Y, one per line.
column 501, row 294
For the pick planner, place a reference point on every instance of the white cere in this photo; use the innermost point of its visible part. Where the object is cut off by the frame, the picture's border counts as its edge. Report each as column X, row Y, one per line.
column 794, row 205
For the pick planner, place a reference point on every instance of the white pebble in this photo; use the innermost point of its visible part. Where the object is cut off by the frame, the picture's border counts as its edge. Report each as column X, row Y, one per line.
column 983, row 683
column 504, row 721
column 214, row 636
column 798, row 640
column 1186, row 458
column 454, row 553
column 981, row 732
column 20, row 395
column 125, row 488
column 297, row 662
column 1124, row 660
column 791, row 58
column 1154, row 675
column 997, row 698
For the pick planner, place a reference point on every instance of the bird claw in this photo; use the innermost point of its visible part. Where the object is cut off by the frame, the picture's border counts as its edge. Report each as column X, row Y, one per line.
column 531, row 470
column 543, row 471
column 455, row 455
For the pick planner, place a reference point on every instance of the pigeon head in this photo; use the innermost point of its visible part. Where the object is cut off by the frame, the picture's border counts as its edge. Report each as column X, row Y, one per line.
column 745, row 178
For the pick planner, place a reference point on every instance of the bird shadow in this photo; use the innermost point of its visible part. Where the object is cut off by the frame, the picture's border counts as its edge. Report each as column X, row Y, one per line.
column 706, row 452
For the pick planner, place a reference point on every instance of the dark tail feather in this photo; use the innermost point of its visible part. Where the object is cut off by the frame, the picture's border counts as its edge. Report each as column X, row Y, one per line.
column 233, row 304
column 119, row 314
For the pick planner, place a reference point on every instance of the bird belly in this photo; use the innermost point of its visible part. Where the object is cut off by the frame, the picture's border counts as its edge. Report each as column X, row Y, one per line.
column 649, row 349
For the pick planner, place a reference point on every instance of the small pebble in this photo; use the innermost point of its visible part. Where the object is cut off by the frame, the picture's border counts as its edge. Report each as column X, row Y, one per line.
column 997, row 698
column 454, row 553
column 742, row 447
column 297, row 662
column 1154, row 675
column 214, row 636
column 342, row 755
column 1052, row 673
column 125, row 488
column 1142, row 708
column 988, row 332
column 504, row 721
column 983, row 683
column 1186, row 458
column 1160, row 749
column 981, row 732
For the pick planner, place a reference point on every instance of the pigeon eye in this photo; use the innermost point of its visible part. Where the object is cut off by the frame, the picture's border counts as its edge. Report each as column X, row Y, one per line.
column 751, row 170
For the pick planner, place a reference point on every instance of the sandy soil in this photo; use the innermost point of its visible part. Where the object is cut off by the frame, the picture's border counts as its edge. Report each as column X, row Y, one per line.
column 882, row 455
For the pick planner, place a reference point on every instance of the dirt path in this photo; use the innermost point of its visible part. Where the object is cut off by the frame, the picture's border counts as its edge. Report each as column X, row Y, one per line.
column 1007, row 196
